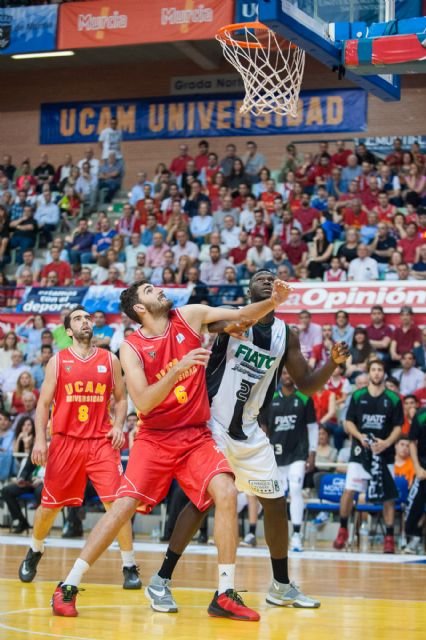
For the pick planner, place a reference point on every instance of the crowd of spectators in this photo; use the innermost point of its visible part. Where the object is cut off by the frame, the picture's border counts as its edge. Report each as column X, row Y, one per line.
column 209, row 223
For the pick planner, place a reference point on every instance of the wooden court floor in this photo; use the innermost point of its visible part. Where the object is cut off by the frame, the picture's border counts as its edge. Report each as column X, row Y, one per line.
column 360, row 600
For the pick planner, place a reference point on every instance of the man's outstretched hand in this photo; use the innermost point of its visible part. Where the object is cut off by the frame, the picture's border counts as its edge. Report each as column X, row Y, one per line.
column 238, row 329
column 340, row 353
column 280, row 292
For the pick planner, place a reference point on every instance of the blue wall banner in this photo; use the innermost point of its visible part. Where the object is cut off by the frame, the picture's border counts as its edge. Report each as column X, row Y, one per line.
column 28, row 29
column 322, row 111
column 95, row 298
column 50, row 299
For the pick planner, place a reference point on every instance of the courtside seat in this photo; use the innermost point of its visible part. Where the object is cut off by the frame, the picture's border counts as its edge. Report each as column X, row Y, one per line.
column 332, row 486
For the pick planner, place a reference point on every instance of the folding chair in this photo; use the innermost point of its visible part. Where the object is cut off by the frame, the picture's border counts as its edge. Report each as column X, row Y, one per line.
column 377, row 509
column 332, row 486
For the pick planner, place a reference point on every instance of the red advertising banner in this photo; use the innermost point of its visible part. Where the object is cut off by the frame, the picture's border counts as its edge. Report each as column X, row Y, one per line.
column 120, row 22
column 357, row 298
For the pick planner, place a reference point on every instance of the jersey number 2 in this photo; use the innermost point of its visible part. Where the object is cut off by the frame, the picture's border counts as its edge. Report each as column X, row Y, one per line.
column 83, row 413
column 236, row 425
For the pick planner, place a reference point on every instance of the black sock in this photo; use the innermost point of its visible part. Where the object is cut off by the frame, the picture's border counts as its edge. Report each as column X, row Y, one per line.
column 296, row 528
column 389, row 531
column 252, row 529
column 170, row 561
column 280, row 570
column 344, row 523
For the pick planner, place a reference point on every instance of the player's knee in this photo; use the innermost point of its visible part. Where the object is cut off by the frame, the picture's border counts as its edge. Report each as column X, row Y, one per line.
column 123, row 508
column 224, row 493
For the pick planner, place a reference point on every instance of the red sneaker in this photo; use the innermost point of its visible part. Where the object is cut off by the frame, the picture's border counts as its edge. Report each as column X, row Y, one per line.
column 389, row 545
column 342, row 538
column 63, row 600
column 230, row 605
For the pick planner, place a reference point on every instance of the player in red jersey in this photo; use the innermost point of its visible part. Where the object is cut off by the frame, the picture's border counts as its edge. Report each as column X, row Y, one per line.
column 165, row 374
column 85, row 443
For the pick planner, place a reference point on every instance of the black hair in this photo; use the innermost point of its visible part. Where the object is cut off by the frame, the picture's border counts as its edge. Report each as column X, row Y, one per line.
column 67, row 319
column 128, row 299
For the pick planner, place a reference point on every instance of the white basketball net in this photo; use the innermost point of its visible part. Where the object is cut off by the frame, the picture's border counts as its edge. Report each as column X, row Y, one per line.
column 272, row 73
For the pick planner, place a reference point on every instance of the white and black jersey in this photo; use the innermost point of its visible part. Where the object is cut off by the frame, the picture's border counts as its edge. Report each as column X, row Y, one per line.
column 288, row 418
column 242, row 376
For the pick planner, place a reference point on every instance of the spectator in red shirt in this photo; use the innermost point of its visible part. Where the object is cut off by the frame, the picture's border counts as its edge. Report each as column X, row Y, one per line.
column 308, row 217
column 114, row 279
column 263, row 225
column 208, row 173
column 201, row 161
column 370, row 197
column 296, row 250
column 84, row 278
column 178, row 164
column 238, row 255
column 321, row 352
column 267, row 197
column 61, row 268
column 322, row 171
column 364, row 178
column 394, row 159
column 340, row 157
column 407, row 246
column 384, row 209
column 421, row 394
column 406, row 336
column 379, row 333
column 355, row 215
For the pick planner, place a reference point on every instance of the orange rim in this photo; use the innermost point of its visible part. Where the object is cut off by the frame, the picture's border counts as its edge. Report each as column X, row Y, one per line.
column 230, row 28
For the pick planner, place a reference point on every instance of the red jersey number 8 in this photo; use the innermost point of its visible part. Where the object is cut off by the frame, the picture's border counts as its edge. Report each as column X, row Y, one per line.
column 181, row 395
column 83, row 413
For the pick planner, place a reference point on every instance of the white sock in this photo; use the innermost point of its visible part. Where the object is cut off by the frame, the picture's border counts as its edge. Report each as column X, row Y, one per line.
column 76, row 574
column 226, row 577
column 37, row 545
column 128, row 558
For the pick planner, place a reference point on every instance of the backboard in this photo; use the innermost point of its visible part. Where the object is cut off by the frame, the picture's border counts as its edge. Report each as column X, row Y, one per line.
column 310, row 24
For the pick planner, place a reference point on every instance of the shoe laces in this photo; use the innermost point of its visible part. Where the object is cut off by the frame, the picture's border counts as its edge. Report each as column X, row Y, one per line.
column 134, row 568
column 69, row 591
column 235, row 596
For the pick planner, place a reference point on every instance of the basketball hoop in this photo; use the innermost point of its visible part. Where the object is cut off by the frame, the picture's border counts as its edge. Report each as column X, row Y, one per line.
column 271, row 69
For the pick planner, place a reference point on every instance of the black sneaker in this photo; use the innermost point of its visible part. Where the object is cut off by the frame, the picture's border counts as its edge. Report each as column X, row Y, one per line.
column 28, row 568
column 131, row 578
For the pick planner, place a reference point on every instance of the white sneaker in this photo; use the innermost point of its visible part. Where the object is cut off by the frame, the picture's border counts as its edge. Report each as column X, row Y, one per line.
column 414, row 546
column 296, row 543
column 249, row 540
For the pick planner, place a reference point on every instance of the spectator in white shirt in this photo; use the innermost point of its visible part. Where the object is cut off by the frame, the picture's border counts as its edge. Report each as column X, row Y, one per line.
column 93, row 162
column 185, row 247
column 201, row 225
column 230, row 233
column 87, row 188
column 118, row 335
column 138, row 191
column 9, row 375
column 410, row 377
column 213, row 270
column 247, row 219
column 132, row 273
column 227, row 209
column 253, row 162
column 133, row 248
column 47, row 216
column 110, row 140
column 205, row 248
column 258, row 254
column 363, row 268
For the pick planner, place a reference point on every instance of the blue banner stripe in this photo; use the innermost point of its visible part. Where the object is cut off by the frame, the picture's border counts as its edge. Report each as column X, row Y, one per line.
column 28, row 29
column 328, row 111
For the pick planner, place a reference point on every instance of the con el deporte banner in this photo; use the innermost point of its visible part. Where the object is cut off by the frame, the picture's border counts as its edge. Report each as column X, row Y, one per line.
column 95, row 298
column 323, row 111
column 123, row 22
column 28, row 29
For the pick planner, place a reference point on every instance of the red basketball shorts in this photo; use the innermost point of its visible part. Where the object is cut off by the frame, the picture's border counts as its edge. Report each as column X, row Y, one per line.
column 187, row 454
column 71, row 462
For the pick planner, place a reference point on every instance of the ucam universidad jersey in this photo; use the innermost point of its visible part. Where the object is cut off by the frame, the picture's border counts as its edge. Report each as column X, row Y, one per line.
column 242, row 375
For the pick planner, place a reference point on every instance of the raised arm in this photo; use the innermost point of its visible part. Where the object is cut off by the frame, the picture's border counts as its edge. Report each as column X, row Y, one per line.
column 120, row 406
column 47, row 393
column 305, row 379
column 198, row 315
column 146, row 396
